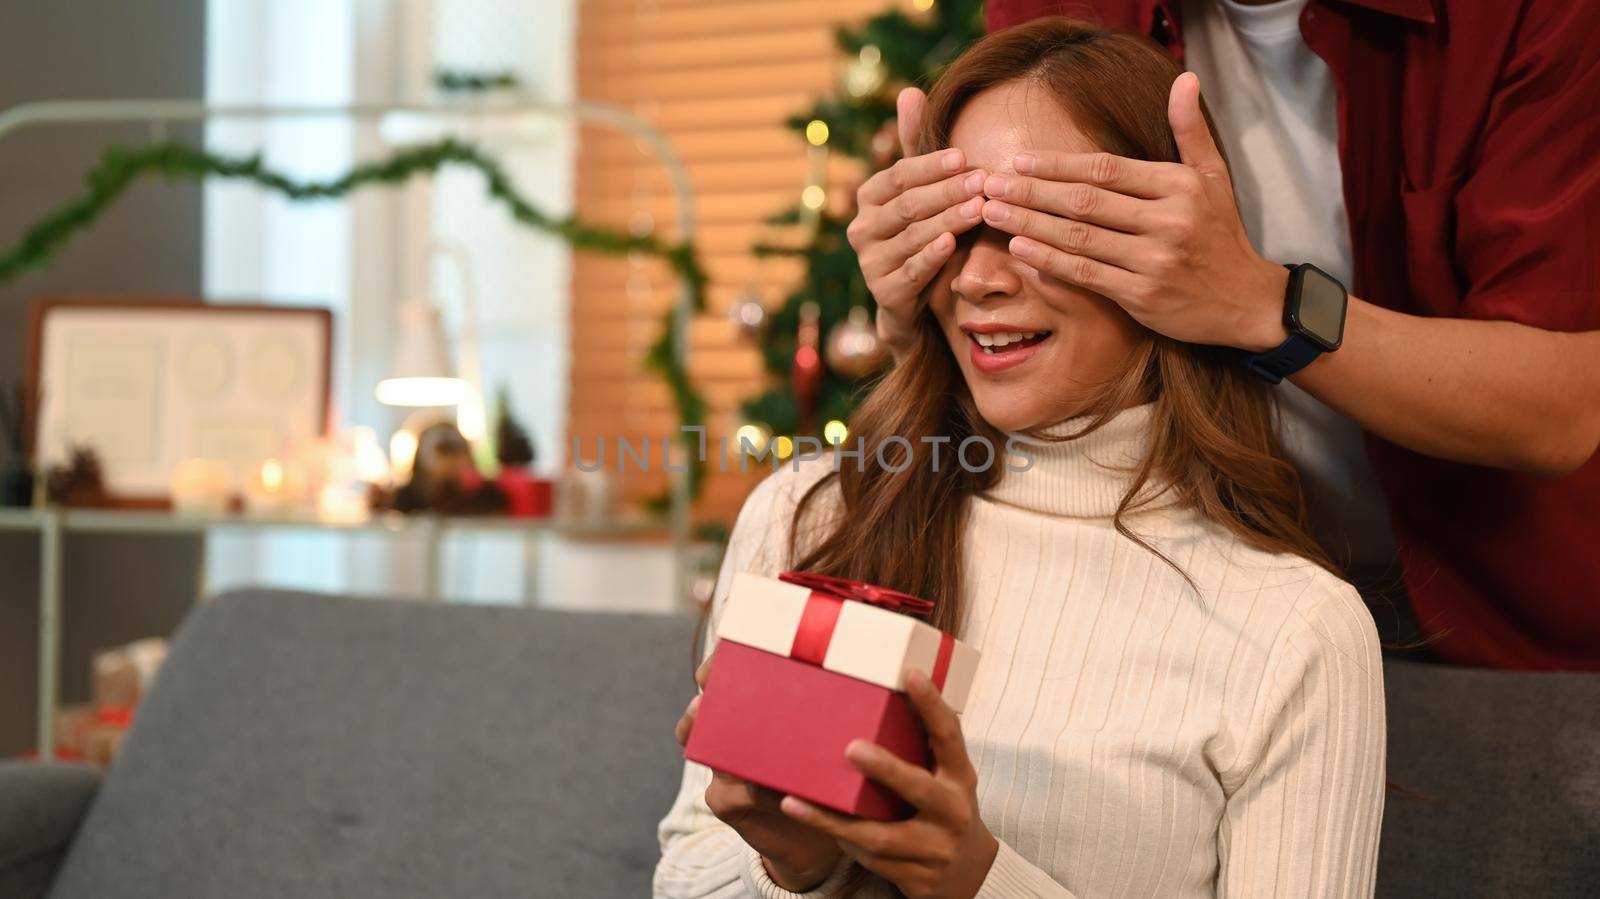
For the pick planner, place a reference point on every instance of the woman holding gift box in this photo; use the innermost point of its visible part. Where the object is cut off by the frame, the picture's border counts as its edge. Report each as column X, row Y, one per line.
column 1177, row 696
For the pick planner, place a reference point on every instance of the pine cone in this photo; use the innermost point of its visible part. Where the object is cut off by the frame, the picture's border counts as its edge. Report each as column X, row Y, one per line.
column 79, row 482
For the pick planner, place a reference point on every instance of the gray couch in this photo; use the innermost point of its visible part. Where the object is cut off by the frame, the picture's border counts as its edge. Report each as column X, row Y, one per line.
column 307, row 746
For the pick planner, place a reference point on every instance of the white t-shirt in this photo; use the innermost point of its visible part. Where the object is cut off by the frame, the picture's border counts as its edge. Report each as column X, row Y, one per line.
column 1275, row 103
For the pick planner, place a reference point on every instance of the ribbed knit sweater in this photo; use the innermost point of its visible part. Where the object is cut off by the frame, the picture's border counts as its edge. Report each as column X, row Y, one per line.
column 1134, row 735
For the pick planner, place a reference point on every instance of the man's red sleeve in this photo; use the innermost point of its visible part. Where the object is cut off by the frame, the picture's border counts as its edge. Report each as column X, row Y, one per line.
column 1527, row 215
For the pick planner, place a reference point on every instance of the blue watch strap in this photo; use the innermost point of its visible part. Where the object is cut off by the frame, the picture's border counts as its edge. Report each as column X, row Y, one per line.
column 1284, row 359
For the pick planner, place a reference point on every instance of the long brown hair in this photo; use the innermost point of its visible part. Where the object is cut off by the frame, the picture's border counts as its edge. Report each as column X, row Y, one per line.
column 1213, row 445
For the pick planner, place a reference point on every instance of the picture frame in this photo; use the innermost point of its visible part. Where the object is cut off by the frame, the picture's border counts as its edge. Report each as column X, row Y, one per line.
column 149, row 382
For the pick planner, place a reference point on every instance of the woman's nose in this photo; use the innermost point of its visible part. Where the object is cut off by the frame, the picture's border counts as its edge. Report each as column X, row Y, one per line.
column 989, row 271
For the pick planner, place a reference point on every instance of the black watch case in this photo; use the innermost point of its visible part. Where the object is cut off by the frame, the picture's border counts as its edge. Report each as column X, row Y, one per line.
column 1314, row 306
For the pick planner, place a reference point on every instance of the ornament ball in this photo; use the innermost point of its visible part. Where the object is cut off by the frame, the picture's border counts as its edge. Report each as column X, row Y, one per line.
column 748, row 314
column 853, row 347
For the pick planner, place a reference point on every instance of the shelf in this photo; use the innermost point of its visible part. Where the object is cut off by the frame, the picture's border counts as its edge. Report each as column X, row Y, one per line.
column 133, row 521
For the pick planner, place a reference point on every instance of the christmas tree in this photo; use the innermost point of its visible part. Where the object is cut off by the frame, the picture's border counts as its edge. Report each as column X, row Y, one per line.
column 820, row 343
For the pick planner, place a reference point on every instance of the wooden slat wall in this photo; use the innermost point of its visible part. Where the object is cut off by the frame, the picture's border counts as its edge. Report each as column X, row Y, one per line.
column 718, row 77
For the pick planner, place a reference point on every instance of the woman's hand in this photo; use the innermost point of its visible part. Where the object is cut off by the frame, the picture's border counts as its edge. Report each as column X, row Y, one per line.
column 1161, row 239
column 945, row 851
column 906, row 221
column 798, row 857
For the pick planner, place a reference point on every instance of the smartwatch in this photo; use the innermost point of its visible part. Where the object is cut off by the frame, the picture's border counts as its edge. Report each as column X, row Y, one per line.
column 1313, row 314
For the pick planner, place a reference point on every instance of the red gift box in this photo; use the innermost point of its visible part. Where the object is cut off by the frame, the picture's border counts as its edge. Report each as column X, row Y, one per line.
column 91, row 734
column 784, row 724
column 783, row 721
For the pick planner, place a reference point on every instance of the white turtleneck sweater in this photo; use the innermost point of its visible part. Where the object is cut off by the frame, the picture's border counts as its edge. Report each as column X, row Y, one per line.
column 1133, row 735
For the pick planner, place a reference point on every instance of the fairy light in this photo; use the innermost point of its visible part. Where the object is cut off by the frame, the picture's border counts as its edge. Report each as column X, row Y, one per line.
column 752, row 436
column 783, row 446
column 835, row 432
column 817, row 132
column 922, row 5
column 813, row 197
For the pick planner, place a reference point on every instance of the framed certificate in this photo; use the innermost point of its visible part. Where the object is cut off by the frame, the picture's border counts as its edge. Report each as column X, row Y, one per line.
column 148, row 383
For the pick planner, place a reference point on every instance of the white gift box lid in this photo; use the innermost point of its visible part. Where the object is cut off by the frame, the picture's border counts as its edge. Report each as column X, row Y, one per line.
column 869, row 643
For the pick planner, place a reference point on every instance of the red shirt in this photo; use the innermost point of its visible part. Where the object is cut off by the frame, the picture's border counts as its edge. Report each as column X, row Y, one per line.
column 1469, row 139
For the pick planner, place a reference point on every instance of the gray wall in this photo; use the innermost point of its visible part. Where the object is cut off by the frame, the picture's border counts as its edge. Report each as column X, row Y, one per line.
column 117, row 588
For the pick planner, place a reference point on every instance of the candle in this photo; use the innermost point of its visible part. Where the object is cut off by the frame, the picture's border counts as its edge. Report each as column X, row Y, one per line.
column 402, row 454
column 201, row 487
column 266, row 491
column 272, row 475
column 344, row 502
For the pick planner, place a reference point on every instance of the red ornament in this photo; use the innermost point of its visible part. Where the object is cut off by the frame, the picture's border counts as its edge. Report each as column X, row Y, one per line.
column 853, row 346
column 806, row 375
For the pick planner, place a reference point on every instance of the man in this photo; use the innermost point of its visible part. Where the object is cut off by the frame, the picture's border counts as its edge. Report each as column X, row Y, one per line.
column 1438, row 159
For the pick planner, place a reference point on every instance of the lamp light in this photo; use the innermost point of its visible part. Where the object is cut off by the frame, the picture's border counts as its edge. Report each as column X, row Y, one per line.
column 420, row 372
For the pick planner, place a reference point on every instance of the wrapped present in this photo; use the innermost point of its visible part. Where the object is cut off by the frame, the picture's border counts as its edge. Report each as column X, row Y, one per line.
column 807, row 663
column 103, row 741
column 72, row 729
column 92, row 734
column 122, row 676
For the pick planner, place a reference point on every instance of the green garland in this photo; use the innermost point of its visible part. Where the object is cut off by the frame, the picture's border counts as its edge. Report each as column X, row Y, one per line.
column 120, row 167
column 457, row 82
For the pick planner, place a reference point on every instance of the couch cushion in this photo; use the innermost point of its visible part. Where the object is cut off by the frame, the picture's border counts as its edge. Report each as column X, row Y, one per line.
column 40, row 809
column 308, row 746
column 1496, row 784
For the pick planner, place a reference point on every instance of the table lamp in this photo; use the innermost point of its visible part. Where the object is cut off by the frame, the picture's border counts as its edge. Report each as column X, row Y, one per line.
column 420, row 373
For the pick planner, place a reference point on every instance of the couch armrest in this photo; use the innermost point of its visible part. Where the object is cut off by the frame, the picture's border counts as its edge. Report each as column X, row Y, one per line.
column 40, row 807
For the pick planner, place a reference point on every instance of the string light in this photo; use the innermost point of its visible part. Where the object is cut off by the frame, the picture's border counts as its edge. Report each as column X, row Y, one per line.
column 867, row 74
column 813, row 197
column 752, row 436
column 783, row 446
column 817, row 132
column 922, row 5
column 835, row 432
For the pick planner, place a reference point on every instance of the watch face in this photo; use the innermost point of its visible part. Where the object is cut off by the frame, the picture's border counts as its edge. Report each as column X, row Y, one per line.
column 1319, row 312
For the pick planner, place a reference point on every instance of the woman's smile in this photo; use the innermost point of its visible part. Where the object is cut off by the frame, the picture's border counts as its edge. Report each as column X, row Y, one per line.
column 998, row 346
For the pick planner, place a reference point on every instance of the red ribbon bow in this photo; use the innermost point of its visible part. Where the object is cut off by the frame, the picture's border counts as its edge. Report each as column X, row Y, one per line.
column 870, row 594
column 829, row 594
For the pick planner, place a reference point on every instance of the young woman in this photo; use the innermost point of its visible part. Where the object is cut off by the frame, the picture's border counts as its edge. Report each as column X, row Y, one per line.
column 1177, row 697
